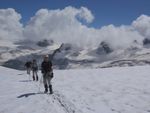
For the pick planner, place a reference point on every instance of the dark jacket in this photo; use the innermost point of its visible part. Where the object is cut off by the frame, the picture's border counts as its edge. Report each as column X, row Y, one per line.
column 46, row 67
column 28, row 64
column 34, row 66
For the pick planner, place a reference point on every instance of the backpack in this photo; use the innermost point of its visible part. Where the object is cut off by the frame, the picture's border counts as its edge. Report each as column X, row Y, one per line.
column 34, row 66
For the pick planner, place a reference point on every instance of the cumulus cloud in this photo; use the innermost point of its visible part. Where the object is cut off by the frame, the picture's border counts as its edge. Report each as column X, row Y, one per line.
column 120, row 37
column 142, row 25
column 10, row 26
column 60, row 25
column 66, row 26
column 85, row 14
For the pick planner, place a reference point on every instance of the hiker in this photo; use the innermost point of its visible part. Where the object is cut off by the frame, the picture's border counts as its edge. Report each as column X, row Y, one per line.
column 28, row 66
column 35, row 70
column 46, row 69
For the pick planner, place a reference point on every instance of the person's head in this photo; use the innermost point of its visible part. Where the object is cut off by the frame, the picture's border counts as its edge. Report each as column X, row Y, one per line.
column 46, row 58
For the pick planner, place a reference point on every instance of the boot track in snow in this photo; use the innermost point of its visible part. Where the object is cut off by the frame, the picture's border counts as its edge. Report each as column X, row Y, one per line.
column 64, row 103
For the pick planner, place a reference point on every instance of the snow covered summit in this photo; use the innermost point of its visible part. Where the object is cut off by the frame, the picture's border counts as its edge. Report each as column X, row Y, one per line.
column 69, row 56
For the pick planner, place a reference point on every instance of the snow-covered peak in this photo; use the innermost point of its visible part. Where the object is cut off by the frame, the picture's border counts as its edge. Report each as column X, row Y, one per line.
column 66, row 55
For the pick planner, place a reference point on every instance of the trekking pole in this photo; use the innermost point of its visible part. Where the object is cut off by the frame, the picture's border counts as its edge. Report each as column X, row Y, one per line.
column 29, row 74
column 29, row 77
column 41, row 81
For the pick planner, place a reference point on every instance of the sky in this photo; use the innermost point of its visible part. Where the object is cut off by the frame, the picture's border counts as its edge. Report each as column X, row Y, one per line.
column 86, row 23
column 116, row 12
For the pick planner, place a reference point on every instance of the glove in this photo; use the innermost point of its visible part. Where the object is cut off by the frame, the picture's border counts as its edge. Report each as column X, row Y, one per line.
column 42, row 71
column 52, row 75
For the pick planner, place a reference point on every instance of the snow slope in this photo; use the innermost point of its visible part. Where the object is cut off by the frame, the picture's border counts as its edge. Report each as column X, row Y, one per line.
column 109, row 90
column 69, row 56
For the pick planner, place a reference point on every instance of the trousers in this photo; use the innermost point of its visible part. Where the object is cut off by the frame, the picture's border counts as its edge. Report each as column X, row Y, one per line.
column 47, row 78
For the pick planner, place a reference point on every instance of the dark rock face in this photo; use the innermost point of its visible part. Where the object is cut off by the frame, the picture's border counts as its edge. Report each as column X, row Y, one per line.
column 65, row 47
column 45, row 43
column 125, row 63
column 61, row 63
column 19, row 62
column 146, row 41
column 15, row 64
column 103, row 48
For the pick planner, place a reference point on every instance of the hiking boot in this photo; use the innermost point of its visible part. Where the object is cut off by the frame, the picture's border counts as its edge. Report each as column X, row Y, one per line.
column 33, row 78
column 46, row 88
column 37, row 78
column 50, row 89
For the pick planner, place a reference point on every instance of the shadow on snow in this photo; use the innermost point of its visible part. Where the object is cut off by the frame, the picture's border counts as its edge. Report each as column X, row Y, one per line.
column 29, row 94
column 25, row 80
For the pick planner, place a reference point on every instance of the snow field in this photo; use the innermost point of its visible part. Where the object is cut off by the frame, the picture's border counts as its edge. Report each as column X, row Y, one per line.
column 109, row 90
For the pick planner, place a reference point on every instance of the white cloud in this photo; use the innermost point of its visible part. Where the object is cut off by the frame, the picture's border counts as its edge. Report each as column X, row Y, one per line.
column 10, row 27
column 120, row 37
column 142, row 25
column 86, row 14
column 65, row 26
column 60, row 25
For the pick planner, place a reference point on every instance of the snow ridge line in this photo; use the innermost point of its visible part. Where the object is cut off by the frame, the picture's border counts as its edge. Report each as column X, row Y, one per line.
column 63, row 102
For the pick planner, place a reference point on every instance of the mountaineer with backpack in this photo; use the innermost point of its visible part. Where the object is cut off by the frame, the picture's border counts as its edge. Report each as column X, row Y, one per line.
column 35, row 70
column 47, row 71
column 28, row 66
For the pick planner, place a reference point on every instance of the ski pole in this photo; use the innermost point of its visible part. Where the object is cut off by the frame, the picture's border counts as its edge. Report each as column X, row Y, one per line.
column 41, row 80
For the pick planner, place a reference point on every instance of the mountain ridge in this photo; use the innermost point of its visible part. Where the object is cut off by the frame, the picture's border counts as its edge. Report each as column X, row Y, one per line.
column 67, row 56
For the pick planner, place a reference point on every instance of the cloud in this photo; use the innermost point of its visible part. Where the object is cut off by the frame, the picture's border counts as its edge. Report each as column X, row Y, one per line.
column 10, row 26
column 142, row 25
column 120, row 37
column 66, row 26
column 86, row 14
column 60, row 25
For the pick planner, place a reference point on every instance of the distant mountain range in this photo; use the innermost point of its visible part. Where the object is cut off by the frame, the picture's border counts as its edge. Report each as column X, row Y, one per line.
column 68, row 56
